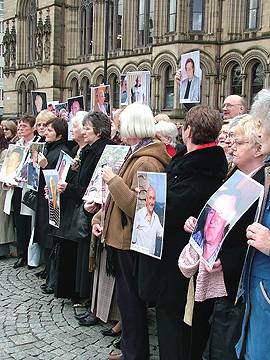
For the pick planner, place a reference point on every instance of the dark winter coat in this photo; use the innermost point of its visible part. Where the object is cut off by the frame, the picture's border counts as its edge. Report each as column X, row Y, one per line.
column 51, row 152
column 192, row 178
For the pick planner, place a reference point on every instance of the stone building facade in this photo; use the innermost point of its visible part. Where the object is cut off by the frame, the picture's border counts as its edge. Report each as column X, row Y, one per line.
column 57, row 46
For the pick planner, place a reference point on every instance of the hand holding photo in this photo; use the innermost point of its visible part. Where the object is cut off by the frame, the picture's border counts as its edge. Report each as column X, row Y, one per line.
column 12, row 164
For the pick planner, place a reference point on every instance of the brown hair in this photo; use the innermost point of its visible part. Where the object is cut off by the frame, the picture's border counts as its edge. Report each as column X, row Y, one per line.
column 205, row 123
column 60, row 127
column 28, row 119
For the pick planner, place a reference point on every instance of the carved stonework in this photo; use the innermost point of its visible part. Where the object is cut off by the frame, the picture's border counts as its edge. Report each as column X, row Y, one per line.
column 6, row 43
column 13, row 44
column 39, row 37
column 47, row 36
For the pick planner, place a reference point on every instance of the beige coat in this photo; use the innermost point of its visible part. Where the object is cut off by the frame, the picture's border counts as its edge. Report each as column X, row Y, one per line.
column 151, row 158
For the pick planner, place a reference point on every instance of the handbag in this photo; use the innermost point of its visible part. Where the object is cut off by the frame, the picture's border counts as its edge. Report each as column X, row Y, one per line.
column 33, row 256
column 80, row 226
column 30, row 199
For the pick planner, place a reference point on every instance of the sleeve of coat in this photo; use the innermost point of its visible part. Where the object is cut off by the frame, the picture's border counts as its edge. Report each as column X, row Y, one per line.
column 125, row 197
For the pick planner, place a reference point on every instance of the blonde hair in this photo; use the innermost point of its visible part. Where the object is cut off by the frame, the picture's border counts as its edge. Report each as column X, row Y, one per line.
column 162, row 117
column 45, row 116
column 137, row 121
column 250, row 127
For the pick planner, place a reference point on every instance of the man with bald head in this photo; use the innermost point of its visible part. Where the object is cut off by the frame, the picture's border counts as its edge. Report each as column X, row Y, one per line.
column 233, row 106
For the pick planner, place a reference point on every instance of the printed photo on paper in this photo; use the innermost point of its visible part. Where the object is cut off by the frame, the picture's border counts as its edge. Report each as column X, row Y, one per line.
column 138, row 87
column 75, row 104
column 51, row 178
column 33, row 169
column 100, row 99
column 191, row 75
column 63, row 164
column 220, row 214
column 12, row 164
column 149, row 220
column 39, row 102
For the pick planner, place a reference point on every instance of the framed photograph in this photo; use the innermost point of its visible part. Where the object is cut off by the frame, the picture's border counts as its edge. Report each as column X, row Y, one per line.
column 33, row 169
column 112, row 156
column 123, row 91
column 100, row 99
column 75, row 104
column 220, row 214
column 191, row 75
column 149, row 220
column 12, row 164
column 51, row 178
column 138, row 87
column 39, row 102
column 63, row 164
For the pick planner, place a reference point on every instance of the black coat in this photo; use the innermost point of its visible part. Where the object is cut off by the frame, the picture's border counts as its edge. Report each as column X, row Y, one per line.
column 78, row 182
column 191, row 179
column 51, row 152
column 234, row 248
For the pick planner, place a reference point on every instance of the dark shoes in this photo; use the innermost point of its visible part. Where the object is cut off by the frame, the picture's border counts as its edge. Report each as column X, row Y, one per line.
column 43, row 286
column 41, row 274
column 110, row 332
column 90, row 320
column 82, row 316
column 19, row 263
column 48, row 290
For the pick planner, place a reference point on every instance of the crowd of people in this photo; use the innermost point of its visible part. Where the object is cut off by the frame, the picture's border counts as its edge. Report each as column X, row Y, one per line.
column 88, row 257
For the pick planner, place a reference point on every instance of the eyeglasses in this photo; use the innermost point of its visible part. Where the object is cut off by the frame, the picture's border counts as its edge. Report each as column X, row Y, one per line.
column 229, row 106
column 237, row 142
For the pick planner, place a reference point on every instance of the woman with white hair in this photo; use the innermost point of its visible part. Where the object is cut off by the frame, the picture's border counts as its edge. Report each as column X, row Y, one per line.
column 167, row 132
column 137, row 130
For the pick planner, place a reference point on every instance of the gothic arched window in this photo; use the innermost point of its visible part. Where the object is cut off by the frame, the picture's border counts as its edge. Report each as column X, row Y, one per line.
column 236, row 80
column 168, row 88
column 74, row 87
column 257, row 79
column 86, row 19
column 23, row 99
column 86, row 92
column 114, row 87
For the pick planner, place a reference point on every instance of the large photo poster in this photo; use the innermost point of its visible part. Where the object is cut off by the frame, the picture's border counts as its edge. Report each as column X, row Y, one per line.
column 75, row 104
column 113, row 156
column 220, row 214
column 12, row 164
column 191, row 74
column 63, row 164
column 39, row 102
column 138, row 87
column 51, row 178
column 100, row 99
column 148, row 226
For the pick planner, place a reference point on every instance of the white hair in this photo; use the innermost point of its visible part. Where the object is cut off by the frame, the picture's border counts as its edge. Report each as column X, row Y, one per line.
column 169, row 130
column 261, row 105
column 137, row 121
column 235, row 121
column 79, row 117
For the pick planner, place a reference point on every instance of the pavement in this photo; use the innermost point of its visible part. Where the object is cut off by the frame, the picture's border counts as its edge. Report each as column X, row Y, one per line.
column 38, row 326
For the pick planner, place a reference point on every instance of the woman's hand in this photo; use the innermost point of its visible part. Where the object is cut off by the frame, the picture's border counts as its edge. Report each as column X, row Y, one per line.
column 217, row 267
column 90, row 206
column 97, row 230
column 190, row 224
column 107, row 174
column 178, row 77
column 259, row 237
column 42, row 161
column 62, row 187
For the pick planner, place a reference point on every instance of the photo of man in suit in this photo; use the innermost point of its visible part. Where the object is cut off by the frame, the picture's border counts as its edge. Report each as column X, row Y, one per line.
column 190, row 86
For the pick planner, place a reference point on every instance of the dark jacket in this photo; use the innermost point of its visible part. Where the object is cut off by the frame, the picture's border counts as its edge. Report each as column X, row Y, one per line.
column 78, row 183
column 192, row 179
column 234, row 248
column 51, row 152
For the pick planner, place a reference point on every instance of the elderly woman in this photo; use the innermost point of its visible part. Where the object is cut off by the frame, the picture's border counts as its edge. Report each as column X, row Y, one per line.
column 41, row 121
column 55, row 137
column 252, row 345
column 167, row 132
column 191, row 180
column 222, row 282
column 10, row 131
column 95, row 128
column 137, row 128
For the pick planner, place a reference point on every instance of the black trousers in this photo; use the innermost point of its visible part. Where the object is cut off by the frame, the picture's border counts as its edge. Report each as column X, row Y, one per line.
column 173, row 334
column 135, row 340
column 22, row 225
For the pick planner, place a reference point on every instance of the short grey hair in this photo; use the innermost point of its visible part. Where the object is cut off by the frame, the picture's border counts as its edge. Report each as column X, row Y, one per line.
column 235, row 121
column 137, row 121
column 167, row 129
column 79, row 117
column 261, row 105
column 251, row 128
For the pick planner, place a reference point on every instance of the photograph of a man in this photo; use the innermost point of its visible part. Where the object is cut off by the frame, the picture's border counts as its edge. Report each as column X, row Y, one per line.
column 12, row 163
column 123, row 90
column 101, row 99
column 148, row 226
column 138, row 87
column 189, row 78
column 75, row 104
column 33, row 169
column 39, row 102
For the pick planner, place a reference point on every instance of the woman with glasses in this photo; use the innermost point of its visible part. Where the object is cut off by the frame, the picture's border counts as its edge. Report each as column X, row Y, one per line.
column 10, row 131
column 222, row 281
